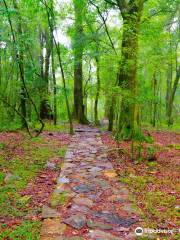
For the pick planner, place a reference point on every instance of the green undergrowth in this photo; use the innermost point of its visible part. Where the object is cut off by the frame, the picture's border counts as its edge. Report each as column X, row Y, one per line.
column 163, row 127
column 157, row 204
column 16, row 171
column 10, row 126
column 21, row 171
column 62, row 151
column 59, row 198
column 28, row 230
column 49, row 126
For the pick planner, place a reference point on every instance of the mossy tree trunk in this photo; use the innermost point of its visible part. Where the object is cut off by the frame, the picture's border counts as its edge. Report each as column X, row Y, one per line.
column 98, row 86
column 128, row 119
column 45, row 109
column 78, row 47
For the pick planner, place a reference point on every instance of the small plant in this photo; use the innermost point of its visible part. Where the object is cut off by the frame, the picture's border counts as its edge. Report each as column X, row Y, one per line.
column 27, row 230
column 151, row 153
column 2, row 176
column 59, row 198
column 136, row 151
column 177, row 147
column 62, row 151
column 2, row 145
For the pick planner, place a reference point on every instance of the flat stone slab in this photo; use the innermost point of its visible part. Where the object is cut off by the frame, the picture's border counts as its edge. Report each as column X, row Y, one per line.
column 99, row 225
column 52, row 226
column 101, row 235
column 48, row 212
column 110, row 173
column 62, row 180
column 83, row 188
column 95, row 169
column 83, row 201
column 115, row 219
column 76, row 221
column 82, row 209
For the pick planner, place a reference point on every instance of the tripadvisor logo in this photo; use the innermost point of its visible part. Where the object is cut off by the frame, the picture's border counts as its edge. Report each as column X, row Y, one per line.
column 139, row 231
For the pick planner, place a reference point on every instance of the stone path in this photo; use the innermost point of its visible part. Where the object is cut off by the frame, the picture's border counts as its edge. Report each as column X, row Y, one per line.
column 89, row 202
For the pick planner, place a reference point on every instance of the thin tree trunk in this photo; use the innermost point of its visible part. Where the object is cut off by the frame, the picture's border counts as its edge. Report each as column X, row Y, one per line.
column 45, row 108
column 111, row 114
column 154, row 100
column 41, row 57
column 96, row 119
column 21, row 64
column 171, row 99
column 54, row 86
column 47, row 62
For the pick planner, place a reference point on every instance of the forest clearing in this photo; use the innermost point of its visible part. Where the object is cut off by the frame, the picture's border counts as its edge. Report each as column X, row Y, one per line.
column 89, row 119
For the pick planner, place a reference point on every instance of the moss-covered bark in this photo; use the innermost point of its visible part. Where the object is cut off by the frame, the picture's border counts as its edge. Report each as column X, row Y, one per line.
column 128, row 119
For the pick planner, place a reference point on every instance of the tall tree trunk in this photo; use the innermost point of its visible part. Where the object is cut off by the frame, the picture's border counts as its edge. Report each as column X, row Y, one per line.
column 54, row 85
column 172, row 96
column 128, row 120
column 78, row 45
column 21, row 66
column 171, row 87
column 0, row 68
column 45, row 108
column 154, row 116
column 111, row 114
column 168, row 87
column 96, row 119
column 41, row 57
column 47, row 62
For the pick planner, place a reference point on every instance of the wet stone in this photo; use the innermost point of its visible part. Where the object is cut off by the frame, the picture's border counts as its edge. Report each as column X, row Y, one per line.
column 104, row 184
column 68, row 165
column 76, row 221
column 82, row 209
column 83, row 188
column 110, row 173
column 48, row 212
column 62, row 180
column 50, row 165
column 69, row 155
column 95, row 169
column 100, row 225
column 83, row 201
column 101, row 235
column 74, row 238
column 115, row 219
column 52, row 226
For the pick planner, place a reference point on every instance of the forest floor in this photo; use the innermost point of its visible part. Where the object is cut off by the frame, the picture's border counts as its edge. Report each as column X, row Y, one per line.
column 95, row 192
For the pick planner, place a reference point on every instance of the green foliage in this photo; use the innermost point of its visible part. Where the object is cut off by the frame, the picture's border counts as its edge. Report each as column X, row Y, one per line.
column 62, row 152
column 22, row 170
column 28, row 230
column 2, row 176
column 59, row 198
column 138, row 182
column 160, row 200
column 151, row 151
column 2, row 145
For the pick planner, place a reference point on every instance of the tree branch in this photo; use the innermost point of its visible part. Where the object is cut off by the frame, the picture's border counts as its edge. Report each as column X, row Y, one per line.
column 105, row 25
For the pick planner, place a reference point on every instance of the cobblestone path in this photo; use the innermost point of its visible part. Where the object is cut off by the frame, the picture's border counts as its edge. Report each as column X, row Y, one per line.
column 89, row 201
